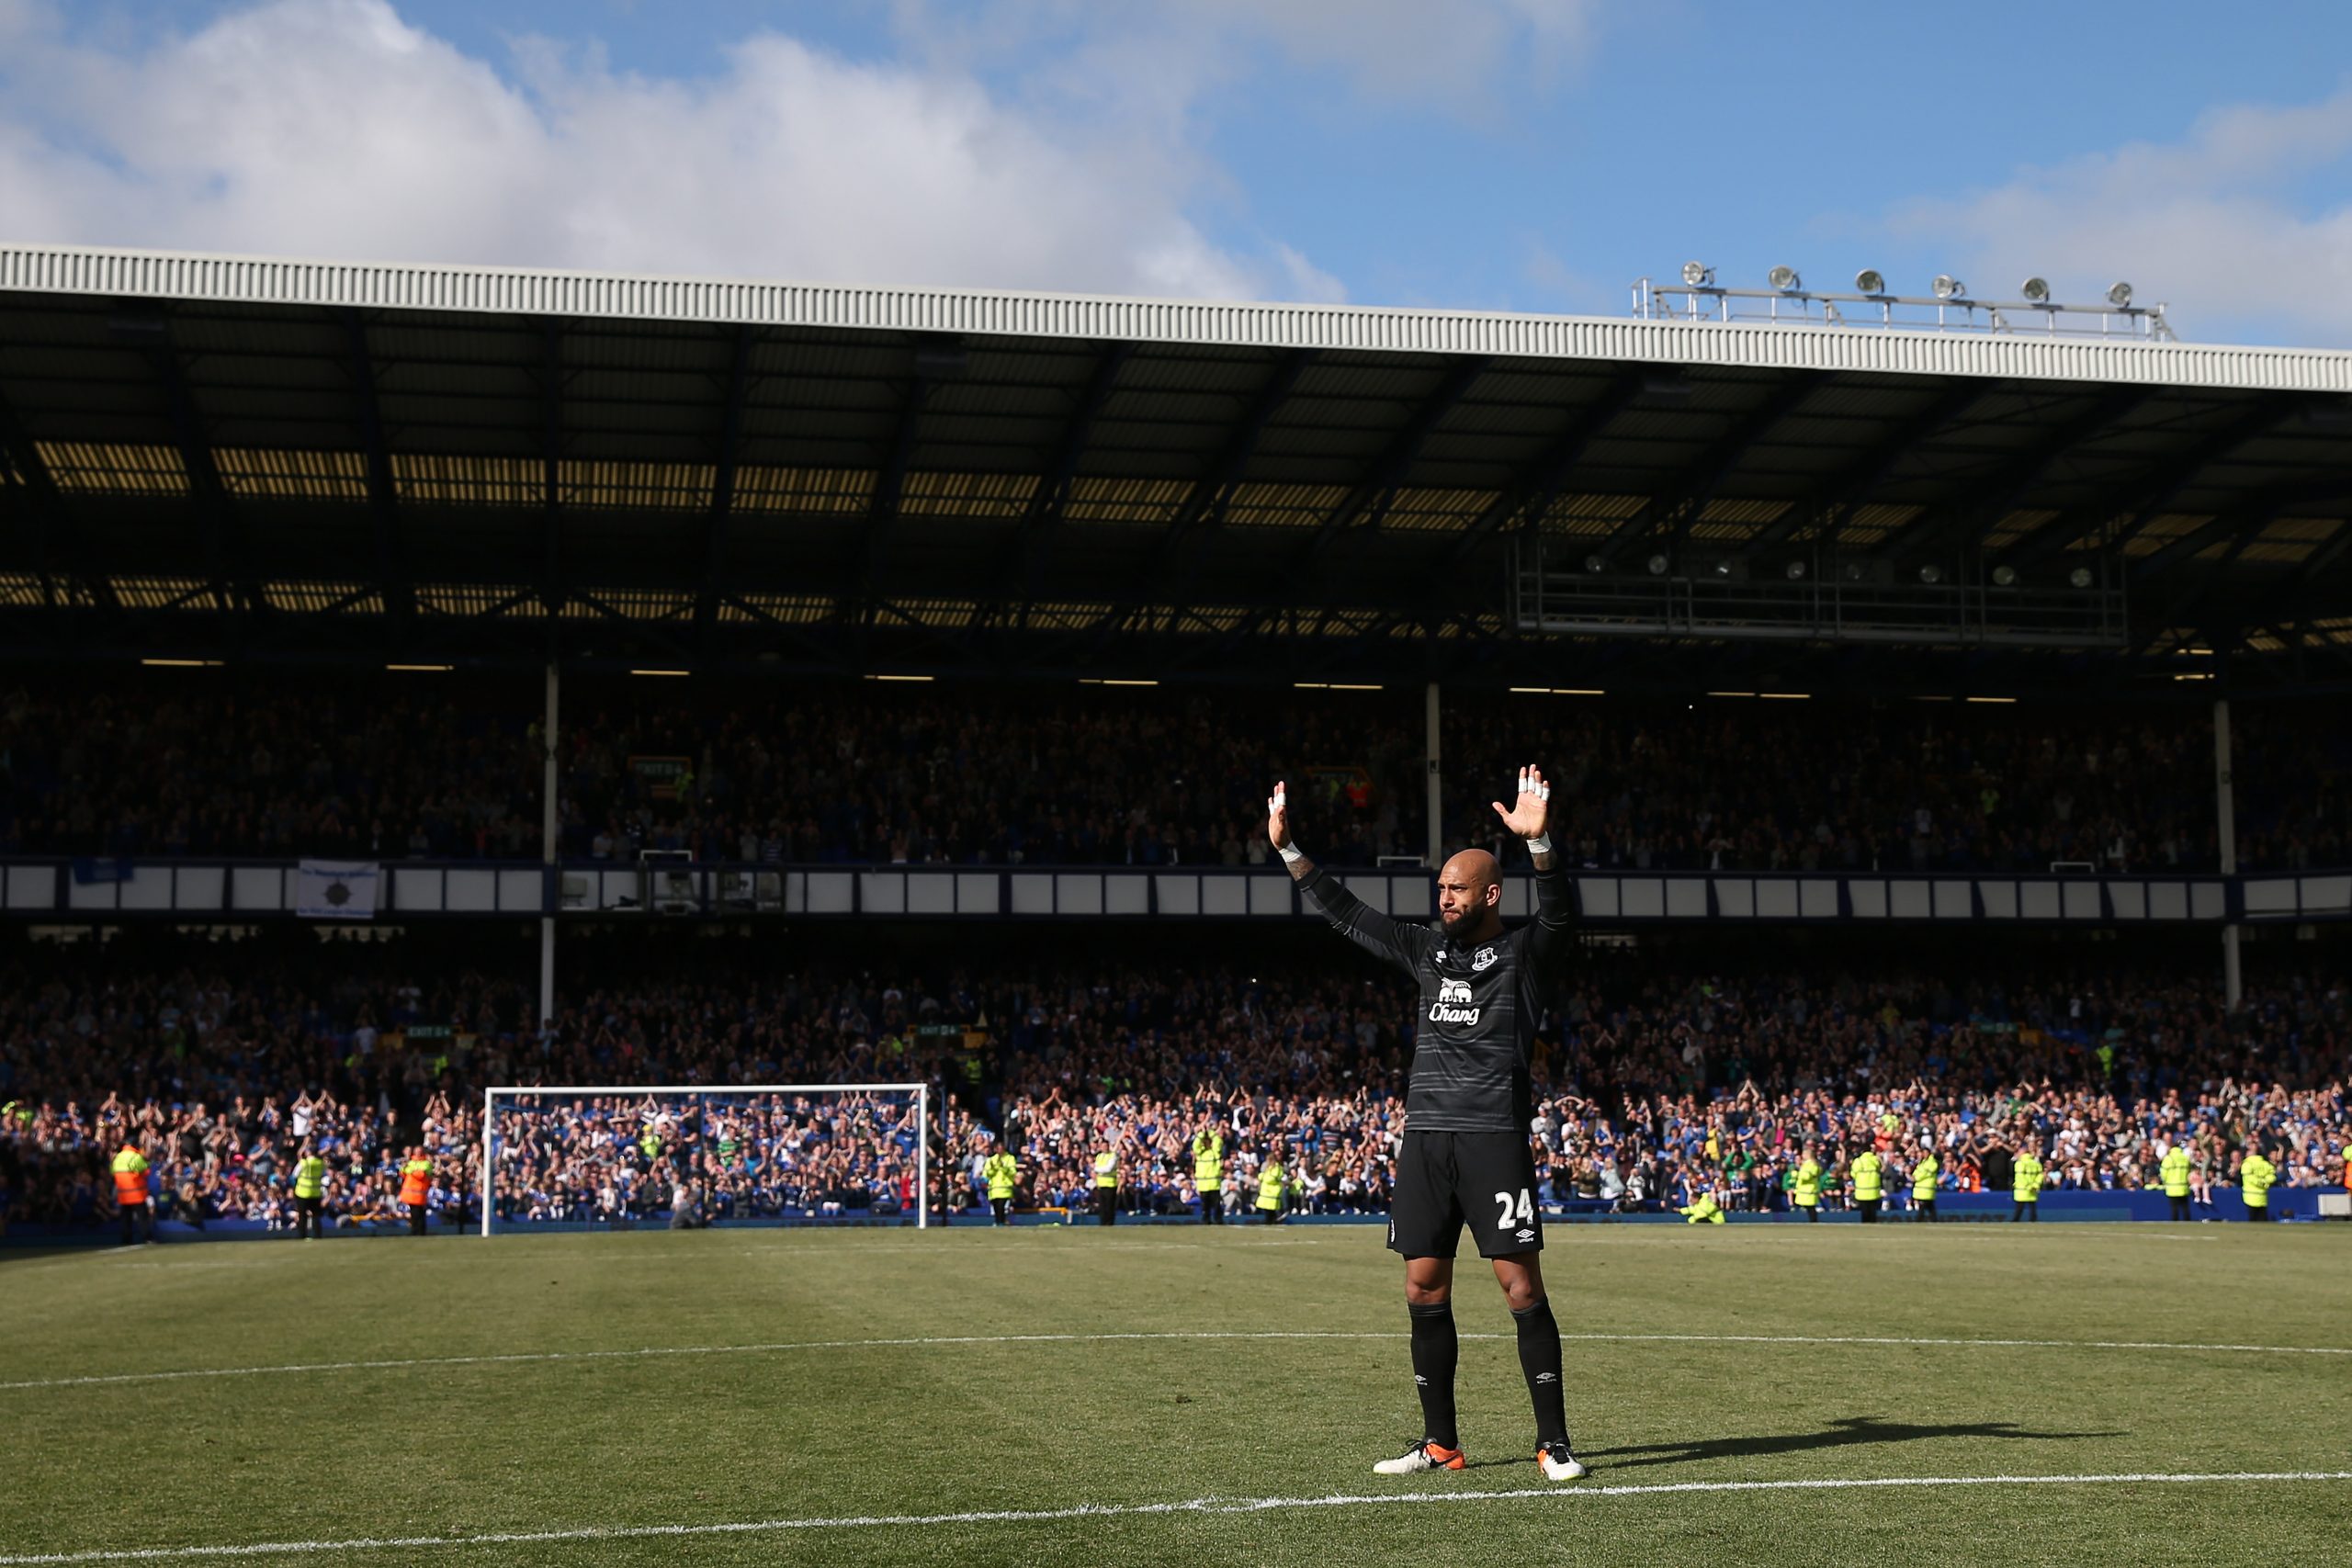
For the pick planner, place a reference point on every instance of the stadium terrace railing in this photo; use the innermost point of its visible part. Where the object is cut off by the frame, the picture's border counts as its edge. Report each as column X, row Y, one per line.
column 58, row 890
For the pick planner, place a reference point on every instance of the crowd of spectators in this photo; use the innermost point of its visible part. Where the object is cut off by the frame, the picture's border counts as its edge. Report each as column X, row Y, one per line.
column 606, row 1161
column 863, row 771
column 1653, row 1081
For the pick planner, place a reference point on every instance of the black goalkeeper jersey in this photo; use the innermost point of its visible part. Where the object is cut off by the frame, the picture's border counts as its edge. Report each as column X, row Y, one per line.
column 1479, row 1003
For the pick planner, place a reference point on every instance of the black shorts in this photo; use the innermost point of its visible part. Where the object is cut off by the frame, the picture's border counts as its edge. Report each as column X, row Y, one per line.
column 1444, row 1179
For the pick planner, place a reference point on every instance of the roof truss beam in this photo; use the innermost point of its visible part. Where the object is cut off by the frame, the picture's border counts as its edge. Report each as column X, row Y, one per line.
column 383, row 494
column 1042, row 519
column 2166, row 480
column 551, row 588
column 1369, row 501
column 1855, row 485
column 1676, row 510
column 722, row 488
column 1993, row 497
column 1531, row 494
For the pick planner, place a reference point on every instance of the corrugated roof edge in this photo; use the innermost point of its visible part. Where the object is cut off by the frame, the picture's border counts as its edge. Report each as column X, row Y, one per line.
column 267, row 280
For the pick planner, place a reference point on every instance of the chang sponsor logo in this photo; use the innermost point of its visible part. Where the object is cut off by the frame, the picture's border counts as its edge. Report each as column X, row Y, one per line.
column 1452, row 1004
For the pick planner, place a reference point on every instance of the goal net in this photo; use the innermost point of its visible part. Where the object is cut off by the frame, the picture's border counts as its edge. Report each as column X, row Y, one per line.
column 612, row 1157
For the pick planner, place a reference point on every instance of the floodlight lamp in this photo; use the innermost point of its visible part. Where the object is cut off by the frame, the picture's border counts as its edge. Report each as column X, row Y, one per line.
column 1723, row 568
column 1947, row 286
column 2004, row 577
column 1657, row 565
column 2080, row 577
column 1594, row 563
column 1854, row 571
column 1697, row 275
column 1869, row 280
column 1784, row 278
column 2036, row 290
column 2119, row 295
column 1932, row 574
column 1795, row 571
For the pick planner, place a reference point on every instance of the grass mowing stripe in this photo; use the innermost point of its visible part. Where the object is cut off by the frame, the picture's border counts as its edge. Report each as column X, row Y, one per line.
column 1172, row 1333
column 1115, row 1510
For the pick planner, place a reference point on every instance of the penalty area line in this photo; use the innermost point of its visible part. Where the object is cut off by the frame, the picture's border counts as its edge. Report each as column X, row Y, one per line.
column 1172, row 1334
column 1131, row 1510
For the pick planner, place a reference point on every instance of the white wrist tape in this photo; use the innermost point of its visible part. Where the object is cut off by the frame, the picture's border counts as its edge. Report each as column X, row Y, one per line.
column 1542, row 846
column 1292, row 854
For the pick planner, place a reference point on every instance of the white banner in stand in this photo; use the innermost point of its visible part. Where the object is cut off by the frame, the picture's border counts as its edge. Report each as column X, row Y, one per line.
column 336, row 890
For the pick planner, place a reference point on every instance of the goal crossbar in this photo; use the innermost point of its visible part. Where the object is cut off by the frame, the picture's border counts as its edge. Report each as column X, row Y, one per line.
column 534, row 1091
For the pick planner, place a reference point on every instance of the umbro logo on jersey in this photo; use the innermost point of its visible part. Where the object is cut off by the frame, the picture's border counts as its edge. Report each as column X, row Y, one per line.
column 1526, row 1235
column 1485, row 956
column 1453, row 1003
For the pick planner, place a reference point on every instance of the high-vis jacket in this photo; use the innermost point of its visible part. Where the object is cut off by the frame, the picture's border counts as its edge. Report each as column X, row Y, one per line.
column 1107, row 1169
column 1923, row 1179
column 1270, row 1185
column 1479, row 1002
column 1808, row 1194
column 129, row 1177
column 2255, row 1176
column 2174, row 1168
column 1869, row 1183
column 416, row 1181
column 1003, row 1173
column 1208, row 1159
column 311, row 1177
column 2026, row 1185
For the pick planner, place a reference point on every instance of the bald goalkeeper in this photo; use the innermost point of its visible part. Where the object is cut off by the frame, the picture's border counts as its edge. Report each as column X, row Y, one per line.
column 1465, row 1158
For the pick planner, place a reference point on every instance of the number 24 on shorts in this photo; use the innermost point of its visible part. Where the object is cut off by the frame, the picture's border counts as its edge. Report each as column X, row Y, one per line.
column 1519, row 1212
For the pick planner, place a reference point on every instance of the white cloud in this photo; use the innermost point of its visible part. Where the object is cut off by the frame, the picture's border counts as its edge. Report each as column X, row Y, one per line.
column 1464, row 58
column 334, row 127
column 2241, row 227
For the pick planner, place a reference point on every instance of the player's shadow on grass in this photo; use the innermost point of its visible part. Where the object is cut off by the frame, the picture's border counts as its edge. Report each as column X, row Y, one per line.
column 1852, row 1430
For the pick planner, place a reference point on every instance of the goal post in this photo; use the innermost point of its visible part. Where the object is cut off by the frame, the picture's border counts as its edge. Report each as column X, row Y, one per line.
column 620, row 1142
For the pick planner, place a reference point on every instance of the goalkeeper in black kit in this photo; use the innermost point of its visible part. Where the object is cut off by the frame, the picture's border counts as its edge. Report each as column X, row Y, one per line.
column 1466, row 1157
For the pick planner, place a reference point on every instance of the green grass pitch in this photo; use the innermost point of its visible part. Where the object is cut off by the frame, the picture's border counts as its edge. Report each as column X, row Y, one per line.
column 446, row 1393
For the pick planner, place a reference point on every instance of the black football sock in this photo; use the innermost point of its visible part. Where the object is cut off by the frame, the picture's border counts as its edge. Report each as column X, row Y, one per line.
column 1539, row 1357
column 1436, row 1349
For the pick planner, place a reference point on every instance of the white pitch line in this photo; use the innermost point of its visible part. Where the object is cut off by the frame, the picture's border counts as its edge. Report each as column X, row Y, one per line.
column 1174, row 1335
column 1117, row 1510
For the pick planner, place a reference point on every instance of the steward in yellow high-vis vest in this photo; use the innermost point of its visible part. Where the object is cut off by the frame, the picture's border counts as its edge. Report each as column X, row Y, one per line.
column 129, row 1170
column 1869, row 1184
column 1270, row 1186
column 1208, row 1173
column 1106, row 1187
column 1003, row 1173
column 2025, row 1188
column 2256, row 1176
column 1923, row 1185
column 2173, row 1170
column 310, row 1193
column 1807, row 1196
column 1703, row 1210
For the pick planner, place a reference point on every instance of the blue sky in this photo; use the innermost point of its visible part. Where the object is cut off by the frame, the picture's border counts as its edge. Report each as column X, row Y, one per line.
column 1527, row 154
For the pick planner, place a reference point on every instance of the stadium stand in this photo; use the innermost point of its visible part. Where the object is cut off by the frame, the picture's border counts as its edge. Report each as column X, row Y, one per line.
column 1654, row 1082
column 154, row 765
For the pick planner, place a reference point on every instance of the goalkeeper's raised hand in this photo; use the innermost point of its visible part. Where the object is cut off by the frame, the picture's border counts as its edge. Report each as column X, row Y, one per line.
column 1278, row 833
